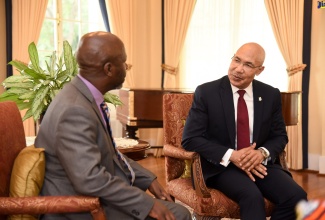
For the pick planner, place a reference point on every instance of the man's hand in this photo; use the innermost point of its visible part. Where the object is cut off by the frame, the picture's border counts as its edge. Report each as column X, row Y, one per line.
column 158, row 191
column 160, row 212
column 249, row 160
column 238, row 156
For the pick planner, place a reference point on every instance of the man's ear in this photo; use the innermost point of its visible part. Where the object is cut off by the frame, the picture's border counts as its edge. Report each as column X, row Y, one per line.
column 107, row 68
column 260, row 69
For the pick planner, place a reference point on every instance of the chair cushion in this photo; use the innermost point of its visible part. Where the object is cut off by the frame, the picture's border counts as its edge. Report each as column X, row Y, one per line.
column 28, row 172
column 27, row 176
column 187, row 170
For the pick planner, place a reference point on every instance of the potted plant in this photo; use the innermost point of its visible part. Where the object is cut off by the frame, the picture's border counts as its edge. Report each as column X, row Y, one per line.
column 35, row 87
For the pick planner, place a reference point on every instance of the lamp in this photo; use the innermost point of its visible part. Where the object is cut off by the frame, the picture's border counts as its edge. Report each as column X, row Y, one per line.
column 290, row 107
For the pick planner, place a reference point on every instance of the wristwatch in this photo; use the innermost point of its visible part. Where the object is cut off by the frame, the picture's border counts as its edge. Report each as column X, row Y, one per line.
column 264, row 153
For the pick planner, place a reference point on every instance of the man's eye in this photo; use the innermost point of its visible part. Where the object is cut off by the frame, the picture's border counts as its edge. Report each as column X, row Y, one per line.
column 249, row 65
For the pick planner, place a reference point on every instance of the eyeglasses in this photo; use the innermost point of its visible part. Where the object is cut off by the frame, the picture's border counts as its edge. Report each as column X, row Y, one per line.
column 246, row 66
column 127, row 66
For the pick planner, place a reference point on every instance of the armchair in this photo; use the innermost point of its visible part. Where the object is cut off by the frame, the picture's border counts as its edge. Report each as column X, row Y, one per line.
column 183, row 168
column 12, row 142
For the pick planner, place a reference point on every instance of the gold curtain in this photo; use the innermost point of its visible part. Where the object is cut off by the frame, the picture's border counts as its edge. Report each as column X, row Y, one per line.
column 287, row 23
column 177, row 15
column 120, row 17
column 27, row 21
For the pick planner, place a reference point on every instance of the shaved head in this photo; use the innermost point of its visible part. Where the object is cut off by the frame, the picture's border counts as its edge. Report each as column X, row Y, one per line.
column 97, row 48
column 254, row 51
column 101, row 59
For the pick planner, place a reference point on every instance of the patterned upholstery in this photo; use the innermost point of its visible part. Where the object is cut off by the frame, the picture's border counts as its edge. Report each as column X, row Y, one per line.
column 206, row 203
column 12, row 141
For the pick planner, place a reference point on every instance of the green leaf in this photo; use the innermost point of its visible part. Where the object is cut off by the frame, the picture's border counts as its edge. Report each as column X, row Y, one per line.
column 18, row 91
column 28, row 95
column 34, row 74
column 24, row 105
column 16, row 78
column 38, row 106
column 5, row 96
column 33, row 56
column 26, row 85
column 18, row 64
column 28, row 114
column 112, row 98
column 69, row 58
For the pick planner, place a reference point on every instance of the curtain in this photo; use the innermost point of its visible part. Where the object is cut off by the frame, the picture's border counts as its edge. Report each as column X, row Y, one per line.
column 287, row 22
column 103, row 10
column 27, row 20
column 120, row 15
column 177, row 16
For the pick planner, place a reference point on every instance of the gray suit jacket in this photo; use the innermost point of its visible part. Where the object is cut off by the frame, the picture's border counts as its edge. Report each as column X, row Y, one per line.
column 80, row 158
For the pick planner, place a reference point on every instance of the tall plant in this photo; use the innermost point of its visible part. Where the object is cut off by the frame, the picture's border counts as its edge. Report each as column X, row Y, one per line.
column 35, row 88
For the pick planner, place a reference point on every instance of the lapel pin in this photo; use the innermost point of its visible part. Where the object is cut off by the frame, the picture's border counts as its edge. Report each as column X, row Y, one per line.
column 259, row 98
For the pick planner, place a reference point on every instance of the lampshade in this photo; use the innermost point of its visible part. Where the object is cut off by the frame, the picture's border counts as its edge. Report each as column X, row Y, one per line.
column 290, row 107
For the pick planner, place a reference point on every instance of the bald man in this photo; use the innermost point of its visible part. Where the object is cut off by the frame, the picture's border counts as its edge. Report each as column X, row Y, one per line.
column 246, row 167
column 80, row 156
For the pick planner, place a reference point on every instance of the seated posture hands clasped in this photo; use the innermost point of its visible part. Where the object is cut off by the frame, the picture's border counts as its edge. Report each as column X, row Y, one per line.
column 239, row 132
column 81, row 158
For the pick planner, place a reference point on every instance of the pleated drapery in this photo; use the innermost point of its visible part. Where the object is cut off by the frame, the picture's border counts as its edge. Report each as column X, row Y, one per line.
column 177, row 16
column 27, row 21
column 286, row 18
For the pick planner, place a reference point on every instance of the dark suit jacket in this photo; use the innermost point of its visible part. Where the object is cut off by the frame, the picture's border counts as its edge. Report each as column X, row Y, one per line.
column 80, row 157
column 210, row 128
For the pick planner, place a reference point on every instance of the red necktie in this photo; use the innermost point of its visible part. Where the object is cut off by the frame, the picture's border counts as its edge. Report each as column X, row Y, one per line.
column 242, row 122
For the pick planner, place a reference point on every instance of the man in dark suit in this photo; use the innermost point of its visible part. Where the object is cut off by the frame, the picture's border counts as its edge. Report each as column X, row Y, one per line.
column 248, row 174
column 80, row 154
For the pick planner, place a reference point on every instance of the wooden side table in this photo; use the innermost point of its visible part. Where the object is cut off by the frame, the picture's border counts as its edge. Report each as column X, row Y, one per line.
column 136, row 152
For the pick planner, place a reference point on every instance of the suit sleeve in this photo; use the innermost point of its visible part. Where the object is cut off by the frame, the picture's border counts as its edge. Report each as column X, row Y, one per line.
column 77, row 147
column 197, row 135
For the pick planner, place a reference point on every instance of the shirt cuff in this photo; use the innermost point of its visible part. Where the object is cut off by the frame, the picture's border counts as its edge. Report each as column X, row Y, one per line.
column 225, row 159
column 264, row 162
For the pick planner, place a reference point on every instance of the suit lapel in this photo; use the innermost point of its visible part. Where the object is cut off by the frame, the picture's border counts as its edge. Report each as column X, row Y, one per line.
column 228, row 107
column 258, row 110
column 80, row 85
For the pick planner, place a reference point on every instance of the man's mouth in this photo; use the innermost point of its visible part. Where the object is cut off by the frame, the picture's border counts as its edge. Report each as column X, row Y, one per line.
column 237, row 77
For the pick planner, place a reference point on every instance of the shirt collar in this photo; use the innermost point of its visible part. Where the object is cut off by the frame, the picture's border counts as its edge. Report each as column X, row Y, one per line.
column 98, row 96
column 248, row 89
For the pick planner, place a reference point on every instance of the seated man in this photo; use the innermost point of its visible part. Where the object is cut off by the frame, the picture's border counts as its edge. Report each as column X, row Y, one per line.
column 239, row 148
column 81, row 158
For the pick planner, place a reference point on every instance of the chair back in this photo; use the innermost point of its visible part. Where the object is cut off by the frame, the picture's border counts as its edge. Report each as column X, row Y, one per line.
column 12, row 141
column 175, row 110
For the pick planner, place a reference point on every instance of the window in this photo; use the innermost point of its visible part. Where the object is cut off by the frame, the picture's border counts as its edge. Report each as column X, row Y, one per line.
column 68, row 20
column 216, row 31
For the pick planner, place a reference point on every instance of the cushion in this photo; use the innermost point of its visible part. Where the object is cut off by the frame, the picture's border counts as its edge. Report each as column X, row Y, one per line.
column 27, row 175
column 187, row 170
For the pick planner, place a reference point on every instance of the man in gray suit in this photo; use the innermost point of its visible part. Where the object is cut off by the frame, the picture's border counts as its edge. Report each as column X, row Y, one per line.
column 80, row 155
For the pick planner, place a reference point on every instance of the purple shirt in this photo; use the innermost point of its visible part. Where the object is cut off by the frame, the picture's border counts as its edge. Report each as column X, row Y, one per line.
column 98, row 96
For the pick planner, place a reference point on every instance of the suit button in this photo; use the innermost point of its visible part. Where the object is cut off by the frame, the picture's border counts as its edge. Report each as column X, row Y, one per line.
column 135, row 212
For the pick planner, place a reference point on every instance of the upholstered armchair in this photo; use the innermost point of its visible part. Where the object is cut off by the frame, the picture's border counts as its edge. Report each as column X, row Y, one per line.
column 12, row 152
column 184, row 179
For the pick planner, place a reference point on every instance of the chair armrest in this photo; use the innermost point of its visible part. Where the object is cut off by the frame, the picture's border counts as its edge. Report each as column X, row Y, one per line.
column 179, row 153
column 51, row 204
column 197, row 175
column 198, row 180
column 283, row 161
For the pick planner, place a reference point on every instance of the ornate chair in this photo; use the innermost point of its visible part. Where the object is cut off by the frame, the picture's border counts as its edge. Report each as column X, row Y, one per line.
column 184, row 179
column 12, row 143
